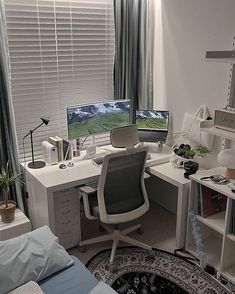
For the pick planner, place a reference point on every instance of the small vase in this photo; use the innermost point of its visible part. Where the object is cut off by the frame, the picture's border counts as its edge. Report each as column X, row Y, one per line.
column 7, row 214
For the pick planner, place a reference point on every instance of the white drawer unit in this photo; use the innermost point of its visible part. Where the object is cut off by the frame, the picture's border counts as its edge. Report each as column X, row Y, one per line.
column 66, row 216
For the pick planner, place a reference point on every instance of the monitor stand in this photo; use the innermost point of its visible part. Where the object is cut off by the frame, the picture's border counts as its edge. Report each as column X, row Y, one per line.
column 156, row 147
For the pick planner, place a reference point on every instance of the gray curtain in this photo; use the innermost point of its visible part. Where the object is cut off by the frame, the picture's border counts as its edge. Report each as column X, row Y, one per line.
column 133, row 53
column 8, row 142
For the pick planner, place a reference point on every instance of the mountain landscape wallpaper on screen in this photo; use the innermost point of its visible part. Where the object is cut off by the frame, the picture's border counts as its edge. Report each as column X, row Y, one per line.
column 85, row 120
column 152, row 119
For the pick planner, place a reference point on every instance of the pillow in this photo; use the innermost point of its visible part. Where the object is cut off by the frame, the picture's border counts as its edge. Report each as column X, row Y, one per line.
column 30, row 257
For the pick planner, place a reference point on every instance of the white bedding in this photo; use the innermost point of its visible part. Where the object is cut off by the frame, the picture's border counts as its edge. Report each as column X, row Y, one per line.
column 28, row 288
column 102, row 288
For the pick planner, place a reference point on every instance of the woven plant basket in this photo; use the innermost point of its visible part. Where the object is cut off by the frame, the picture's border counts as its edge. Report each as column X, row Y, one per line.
column 7, row 214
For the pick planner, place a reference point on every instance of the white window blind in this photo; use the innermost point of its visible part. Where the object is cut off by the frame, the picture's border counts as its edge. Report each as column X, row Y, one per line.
column 60, row 54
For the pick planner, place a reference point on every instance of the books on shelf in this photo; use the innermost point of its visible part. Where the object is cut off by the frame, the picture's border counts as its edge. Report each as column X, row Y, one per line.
column 210, row 201
column 232, row 219
column 58, row 142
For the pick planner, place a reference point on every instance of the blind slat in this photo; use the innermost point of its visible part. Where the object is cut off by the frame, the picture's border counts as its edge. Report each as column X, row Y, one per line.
column 60, row 54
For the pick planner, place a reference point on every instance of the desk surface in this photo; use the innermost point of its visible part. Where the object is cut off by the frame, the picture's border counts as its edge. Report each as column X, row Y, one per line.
column 84, row 170
column 171, row 174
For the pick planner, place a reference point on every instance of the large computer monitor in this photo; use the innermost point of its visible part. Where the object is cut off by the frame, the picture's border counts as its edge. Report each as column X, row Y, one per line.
column 87, row 119
column 152, row 125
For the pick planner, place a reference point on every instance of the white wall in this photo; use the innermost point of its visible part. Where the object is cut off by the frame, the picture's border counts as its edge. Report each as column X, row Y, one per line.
column 184, row 31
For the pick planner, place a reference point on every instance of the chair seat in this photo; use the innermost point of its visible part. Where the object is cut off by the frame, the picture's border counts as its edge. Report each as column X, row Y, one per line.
column 115, row 208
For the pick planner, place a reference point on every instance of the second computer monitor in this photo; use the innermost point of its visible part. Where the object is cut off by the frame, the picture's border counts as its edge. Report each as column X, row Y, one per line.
column 152, row 125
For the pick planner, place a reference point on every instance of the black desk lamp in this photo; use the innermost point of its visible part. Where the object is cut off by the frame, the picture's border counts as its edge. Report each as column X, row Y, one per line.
column 38, row 163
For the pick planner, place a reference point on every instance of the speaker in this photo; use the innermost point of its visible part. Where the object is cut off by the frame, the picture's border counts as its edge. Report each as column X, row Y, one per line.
column 91, row 151
column 225, row 119
column 49, row 153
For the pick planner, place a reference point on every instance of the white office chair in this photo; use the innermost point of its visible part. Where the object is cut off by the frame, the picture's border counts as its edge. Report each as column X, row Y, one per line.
column 121, row 196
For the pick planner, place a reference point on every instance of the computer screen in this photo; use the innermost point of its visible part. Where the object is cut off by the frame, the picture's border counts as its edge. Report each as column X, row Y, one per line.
column 152, row 125
column 87, row 119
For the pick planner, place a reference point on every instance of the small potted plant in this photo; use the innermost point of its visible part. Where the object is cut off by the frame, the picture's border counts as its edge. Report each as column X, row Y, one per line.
column 7, row 206
column 184, row 153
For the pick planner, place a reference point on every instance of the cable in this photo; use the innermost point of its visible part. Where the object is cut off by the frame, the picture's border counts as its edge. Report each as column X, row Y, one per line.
column 83, row 142
column 24, row 153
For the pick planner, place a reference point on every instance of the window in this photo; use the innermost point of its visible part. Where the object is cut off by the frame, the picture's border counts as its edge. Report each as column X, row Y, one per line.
column 60, row 54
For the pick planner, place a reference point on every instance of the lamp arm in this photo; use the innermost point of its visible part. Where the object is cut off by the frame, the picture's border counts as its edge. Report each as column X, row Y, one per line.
column 31, row 131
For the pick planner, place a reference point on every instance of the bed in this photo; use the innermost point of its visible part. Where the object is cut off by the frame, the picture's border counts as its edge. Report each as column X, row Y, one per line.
column 76, row 279
column 36, row 263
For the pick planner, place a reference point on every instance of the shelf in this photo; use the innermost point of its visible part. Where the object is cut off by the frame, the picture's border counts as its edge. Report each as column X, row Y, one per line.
column 231, row 237
column 230, row 273
column 215, row 221
column 222, row 56
column 219, row 132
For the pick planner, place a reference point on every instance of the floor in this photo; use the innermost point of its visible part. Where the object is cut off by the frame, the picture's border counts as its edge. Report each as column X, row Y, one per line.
column 159, row 232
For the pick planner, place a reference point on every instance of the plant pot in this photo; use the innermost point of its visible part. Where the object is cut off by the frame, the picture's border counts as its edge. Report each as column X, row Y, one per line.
column 178, row 161
column 7, row 214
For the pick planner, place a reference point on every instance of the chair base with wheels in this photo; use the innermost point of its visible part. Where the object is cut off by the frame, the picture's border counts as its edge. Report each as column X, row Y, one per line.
column 117, row 235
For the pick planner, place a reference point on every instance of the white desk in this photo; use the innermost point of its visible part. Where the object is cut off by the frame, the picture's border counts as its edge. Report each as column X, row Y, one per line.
column 53, row 200
column 175, row 176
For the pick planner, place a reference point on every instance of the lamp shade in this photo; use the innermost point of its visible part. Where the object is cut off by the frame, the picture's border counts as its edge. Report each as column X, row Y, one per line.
column 226, row 158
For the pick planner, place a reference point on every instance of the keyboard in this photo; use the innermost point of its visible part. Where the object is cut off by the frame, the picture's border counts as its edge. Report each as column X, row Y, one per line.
column 98, row 160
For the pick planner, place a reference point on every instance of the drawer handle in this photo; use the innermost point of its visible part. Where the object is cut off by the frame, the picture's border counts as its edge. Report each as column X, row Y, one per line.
column 66, row 212
column 66, row 223
column 64, row 202
column 67, row 233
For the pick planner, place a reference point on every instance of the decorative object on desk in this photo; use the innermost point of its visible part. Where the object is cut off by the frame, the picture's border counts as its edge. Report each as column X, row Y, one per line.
column 217, row 179
column 90, row 151
column 58, row 143
column 192, row 125
column 138, row 271
column 226, row 158
column 184, row 153
column 39, row 163
column 191, row 168
column 211, row 201
column 7, row 207
column 49, row 153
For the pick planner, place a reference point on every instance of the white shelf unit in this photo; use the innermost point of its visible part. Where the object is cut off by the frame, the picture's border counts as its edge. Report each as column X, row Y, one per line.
column 217, row 239
column 219, row 132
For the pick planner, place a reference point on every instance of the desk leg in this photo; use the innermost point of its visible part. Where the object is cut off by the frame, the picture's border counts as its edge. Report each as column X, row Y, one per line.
column 181, row 219
column 79, row 217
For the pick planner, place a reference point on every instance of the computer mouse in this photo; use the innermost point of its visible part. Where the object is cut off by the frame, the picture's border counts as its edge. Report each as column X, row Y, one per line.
column 62, row 166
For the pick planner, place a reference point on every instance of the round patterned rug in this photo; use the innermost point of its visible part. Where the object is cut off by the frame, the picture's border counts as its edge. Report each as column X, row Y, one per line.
column 139, row 272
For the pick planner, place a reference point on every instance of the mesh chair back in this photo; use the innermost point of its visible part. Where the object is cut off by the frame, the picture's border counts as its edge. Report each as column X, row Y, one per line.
column 122, row 188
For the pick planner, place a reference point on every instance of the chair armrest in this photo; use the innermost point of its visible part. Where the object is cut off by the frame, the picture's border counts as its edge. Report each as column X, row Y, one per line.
column 84, row 192
column 146, row 175
column 87, row 189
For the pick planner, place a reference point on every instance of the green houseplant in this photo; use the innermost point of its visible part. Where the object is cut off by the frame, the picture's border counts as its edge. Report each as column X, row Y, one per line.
column 184, row 153
column 7, row 206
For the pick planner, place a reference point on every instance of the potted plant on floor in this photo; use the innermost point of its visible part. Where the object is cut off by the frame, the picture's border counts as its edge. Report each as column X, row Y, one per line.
column 7, row 206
